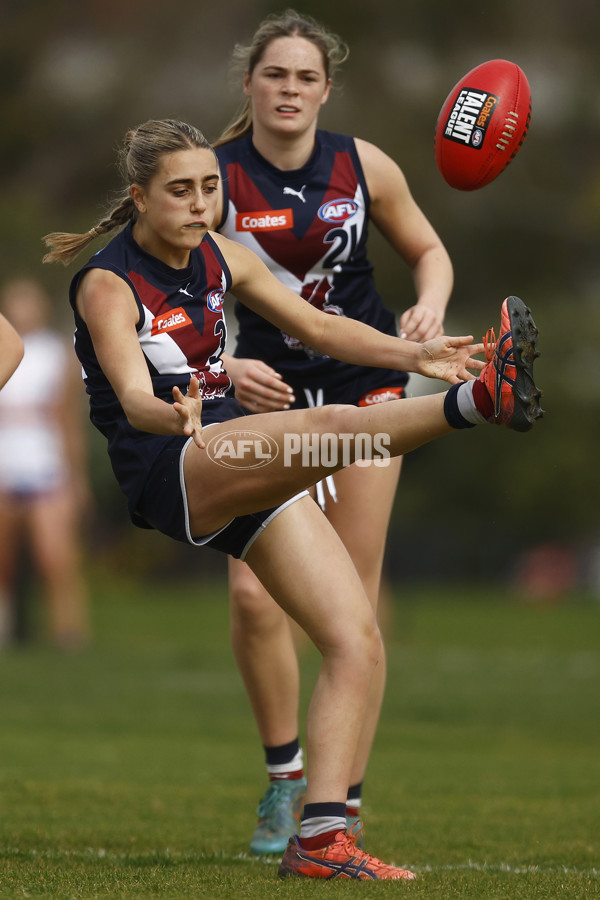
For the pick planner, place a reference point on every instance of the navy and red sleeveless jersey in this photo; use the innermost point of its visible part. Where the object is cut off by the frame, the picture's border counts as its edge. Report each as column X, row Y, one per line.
column 181, row 331
column 310, row 227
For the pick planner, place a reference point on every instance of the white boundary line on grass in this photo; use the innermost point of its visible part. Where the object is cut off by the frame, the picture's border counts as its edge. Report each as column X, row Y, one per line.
column 506, row 867
column 471, row 865
column 101, row 853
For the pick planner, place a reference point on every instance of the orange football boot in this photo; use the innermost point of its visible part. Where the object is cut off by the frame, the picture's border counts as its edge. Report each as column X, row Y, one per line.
column 508, row 375
column 340, row 859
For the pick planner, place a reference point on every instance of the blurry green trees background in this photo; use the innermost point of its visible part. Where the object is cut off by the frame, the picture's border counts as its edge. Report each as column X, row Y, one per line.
column 76, row 76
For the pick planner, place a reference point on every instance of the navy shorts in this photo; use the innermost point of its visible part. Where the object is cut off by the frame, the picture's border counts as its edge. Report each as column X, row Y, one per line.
column 365, row 388
column 164, row 507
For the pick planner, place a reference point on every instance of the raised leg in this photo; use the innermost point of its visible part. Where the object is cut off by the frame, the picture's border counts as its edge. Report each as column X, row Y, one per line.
column 407, row 424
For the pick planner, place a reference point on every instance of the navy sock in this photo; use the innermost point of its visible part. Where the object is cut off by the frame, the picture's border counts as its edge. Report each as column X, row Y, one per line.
column 284, row 762
column 281, row 754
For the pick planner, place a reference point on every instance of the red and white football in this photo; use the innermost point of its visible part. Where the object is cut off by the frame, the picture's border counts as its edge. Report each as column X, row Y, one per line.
column 482, row 124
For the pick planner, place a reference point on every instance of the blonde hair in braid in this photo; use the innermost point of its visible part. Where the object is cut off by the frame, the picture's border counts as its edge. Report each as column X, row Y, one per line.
column 65, row 246
column 139, row 158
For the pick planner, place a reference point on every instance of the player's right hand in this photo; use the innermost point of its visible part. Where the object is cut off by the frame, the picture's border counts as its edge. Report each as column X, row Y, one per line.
column 189, row 409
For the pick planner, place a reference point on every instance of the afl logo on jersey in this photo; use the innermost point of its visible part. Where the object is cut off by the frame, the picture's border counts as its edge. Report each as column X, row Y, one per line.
column 338, row 210
column 214, row 300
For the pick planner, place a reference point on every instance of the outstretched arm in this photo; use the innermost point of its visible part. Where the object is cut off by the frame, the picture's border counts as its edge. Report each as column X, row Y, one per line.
column 340, row 337
column 108, row 307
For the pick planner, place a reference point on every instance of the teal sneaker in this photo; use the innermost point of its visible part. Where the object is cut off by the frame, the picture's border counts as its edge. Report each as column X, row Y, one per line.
column 278, row 816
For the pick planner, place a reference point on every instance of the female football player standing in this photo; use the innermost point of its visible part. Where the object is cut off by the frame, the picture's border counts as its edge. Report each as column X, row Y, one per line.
column 43, row 480
column 149, row 335
column 302, row 199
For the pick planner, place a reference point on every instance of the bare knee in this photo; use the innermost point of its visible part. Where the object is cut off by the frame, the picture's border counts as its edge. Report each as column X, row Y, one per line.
column 358, row 646
column 373, row 648
column 253, row 610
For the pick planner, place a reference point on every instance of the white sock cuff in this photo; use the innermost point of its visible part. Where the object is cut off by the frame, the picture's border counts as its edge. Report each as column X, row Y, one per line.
column 320, row 824
column 466, row 404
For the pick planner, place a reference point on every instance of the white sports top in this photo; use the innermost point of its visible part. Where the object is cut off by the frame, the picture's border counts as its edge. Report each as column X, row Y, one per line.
column 32, row 453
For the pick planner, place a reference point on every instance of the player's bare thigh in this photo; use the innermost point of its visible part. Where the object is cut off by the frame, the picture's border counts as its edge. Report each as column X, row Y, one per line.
column 217, row 493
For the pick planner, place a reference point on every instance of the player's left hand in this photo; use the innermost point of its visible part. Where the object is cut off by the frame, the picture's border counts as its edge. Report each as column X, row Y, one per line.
column 189, row 409
column 259, row 387
column 420, row 323
column 450, row 358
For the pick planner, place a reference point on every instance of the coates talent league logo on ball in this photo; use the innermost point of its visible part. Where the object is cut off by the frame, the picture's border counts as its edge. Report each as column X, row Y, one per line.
column 470, row 117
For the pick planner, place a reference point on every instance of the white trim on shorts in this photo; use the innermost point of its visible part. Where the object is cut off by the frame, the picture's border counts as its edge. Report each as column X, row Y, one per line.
column 273, row 515
column 201, row 541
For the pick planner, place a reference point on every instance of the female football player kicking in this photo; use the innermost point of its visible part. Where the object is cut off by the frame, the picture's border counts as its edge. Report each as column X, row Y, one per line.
column 149, row 334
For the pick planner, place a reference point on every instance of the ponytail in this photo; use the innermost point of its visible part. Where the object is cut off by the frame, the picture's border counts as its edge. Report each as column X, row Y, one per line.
column 64, row 247
column 139, row 159
column 240, row 125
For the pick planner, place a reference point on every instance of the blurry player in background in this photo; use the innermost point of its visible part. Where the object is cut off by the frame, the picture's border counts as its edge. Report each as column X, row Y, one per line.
column 43, row 477
column 302, row 198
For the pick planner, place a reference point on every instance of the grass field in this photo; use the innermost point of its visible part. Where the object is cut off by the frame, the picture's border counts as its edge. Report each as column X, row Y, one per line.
column 133, row 770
